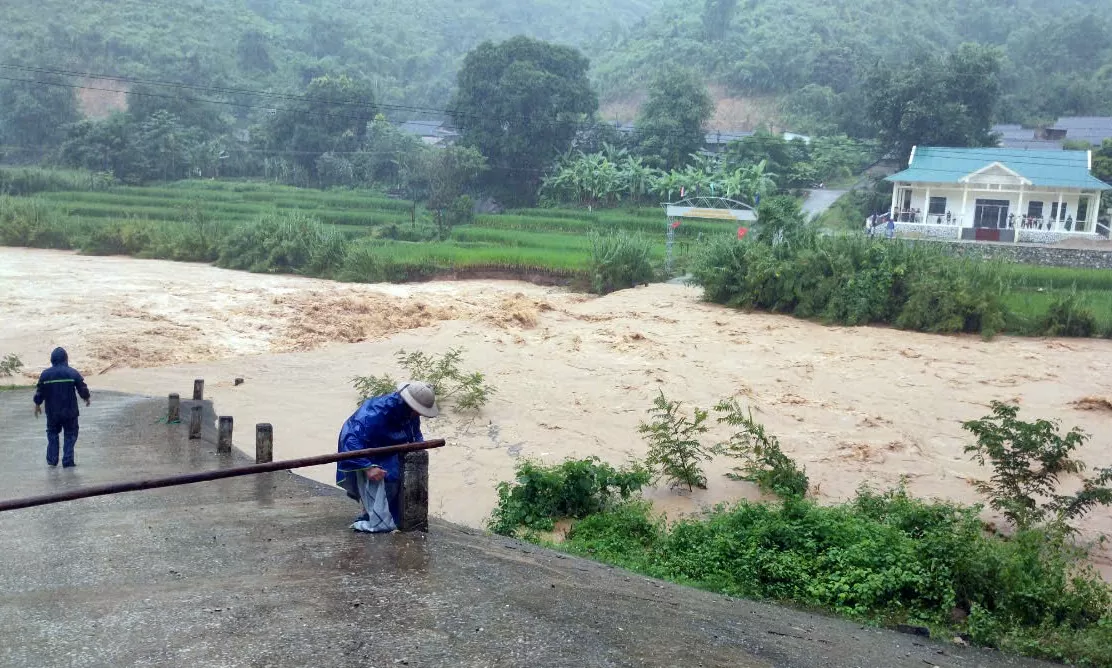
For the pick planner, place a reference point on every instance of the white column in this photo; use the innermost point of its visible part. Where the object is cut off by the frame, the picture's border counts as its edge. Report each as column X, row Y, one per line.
column 927, row 205
column 1059, row 218
column 1019, row 213
column 1094, row 215
column 895, row 194
column 964, row 201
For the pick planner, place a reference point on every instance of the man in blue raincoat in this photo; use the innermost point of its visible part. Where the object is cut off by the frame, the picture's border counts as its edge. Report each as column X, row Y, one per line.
column 59, row 386
column 391, row 419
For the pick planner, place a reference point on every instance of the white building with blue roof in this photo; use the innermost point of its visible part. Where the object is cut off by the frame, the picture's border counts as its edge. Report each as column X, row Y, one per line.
column 997, row 194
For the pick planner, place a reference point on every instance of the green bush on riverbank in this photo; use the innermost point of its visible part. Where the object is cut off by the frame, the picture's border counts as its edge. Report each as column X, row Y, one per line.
column 882, row 558
column 855, row 280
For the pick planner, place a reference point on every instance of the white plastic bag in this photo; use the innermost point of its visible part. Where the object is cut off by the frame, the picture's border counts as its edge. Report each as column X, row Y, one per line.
column 377, row 506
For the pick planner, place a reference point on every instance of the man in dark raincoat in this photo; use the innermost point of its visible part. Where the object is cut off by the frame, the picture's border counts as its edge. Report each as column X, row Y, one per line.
column 59, row 386
column 391, row 419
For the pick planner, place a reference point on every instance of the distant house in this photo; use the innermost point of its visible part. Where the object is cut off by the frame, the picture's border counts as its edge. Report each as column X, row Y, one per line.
column 1019, row 137
column 997, row 194
column 717, row 141
column 432, row 133
column 1091, row 129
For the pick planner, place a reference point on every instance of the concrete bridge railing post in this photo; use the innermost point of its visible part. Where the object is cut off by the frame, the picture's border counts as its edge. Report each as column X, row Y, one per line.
column 224, row 434
column 264, row 443
column 173, row 411
column 195, row 422
column 199, row 389
column 415, row 492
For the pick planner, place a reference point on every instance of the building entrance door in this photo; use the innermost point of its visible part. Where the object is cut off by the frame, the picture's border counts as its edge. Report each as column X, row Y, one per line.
column 992, row 213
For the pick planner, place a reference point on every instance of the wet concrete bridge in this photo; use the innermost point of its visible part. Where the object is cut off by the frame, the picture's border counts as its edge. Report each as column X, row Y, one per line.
column 262, row 571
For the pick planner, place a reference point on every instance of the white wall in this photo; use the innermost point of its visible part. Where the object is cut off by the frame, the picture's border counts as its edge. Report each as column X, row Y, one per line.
column 954, row 198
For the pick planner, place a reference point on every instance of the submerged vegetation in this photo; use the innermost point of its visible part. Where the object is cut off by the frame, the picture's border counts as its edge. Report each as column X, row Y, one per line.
column 884, row 558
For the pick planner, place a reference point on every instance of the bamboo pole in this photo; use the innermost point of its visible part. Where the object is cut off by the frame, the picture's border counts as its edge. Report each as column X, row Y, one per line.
column 206, row 476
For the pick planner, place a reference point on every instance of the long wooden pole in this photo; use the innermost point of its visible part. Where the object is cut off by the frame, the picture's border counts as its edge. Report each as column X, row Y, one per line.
column 206, row 476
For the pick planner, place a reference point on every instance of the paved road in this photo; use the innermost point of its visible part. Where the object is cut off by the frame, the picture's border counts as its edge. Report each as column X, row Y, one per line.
column 261, row 571
column 818, row 201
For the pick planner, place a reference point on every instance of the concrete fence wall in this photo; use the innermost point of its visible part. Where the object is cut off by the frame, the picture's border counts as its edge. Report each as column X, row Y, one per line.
column 1045, row 255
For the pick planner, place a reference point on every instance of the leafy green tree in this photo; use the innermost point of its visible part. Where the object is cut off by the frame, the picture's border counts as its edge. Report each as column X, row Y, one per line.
column 34, row 115
column 333, row 117
column 385, row 150
column 450, row 172
column 104, row 146
column 672, row 122
column 144, row 101
column 936, row 101
column 163, row 147
column 717, row 15
column 252, row 53
column 520, row 103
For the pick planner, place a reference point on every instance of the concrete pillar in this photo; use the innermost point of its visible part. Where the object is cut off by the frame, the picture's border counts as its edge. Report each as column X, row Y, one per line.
column 895, row 194
column 1020, row 213
column 264, row 443
column 1094, row 217
column 173, row 412
column 199, row 389
column 964, row 203
column 195, row 422
column 224, row 437
column 1059, row 218
column 926, row 206
column 415, row 491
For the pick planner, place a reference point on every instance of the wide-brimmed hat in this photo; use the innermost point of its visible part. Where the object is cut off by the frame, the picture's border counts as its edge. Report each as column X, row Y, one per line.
column 420, row 397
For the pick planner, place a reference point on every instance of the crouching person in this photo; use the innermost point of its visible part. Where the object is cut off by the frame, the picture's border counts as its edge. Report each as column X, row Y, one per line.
column 391, row 419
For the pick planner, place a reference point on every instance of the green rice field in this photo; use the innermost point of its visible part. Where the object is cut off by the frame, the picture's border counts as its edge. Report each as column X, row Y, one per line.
column 533, row 240
column 390, row 240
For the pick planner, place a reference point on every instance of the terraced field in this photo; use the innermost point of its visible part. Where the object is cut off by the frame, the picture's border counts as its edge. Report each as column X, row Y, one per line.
column 551, row 241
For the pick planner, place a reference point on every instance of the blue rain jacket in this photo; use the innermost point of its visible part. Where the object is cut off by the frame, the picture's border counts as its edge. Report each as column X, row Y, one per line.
column 59, row 387
column 379, row 422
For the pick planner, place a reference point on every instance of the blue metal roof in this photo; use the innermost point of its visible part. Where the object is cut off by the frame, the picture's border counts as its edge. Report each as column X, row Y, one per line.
column 1053, row 169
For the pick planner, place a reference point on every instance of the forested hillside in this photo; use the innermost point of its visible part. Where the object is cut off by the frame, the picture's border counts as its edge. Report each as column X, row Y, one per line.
column 410, row 49
column 818, row 53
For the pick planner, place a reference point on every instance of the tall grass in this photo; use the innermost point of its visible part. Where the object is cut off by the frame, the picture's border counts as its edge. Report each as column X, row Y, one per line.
column 32, row 180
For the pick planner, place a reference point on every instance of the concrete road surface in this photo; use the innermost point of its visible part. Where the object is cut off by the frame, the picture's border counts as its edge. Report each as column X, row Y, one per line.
column 818, row 201
column 263, row 571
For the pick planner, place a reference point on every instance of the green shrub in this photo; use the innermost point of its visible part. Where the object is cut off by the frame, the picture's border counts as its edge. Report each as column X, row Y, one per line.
column 675, row 452
column 468, row 391
column 540, row 495
column 32, row 223
column 884, row 558
column 762, row 460
column 1027, row 460
column 853, row 280
column 619, row 260
column 284, row 243
column 1068, row 316
column 32, row 180
column 10, row 365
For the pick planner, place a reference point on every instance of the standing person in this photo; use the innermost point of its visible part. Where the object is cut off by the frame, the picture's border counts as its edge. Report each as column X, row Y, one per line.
column 59, row 386
column 391, row 419
column 890, row 229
